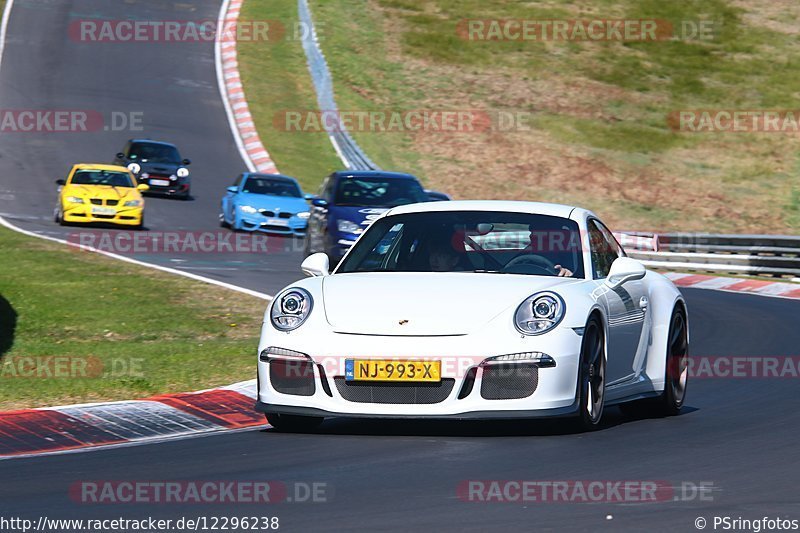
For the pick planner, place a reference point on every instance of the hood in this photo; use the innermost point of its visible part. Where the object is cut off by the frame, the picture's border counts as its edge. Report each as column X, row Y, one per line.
column 432, row 303
column 158, row 168
column 106, row 192
column 273, row 203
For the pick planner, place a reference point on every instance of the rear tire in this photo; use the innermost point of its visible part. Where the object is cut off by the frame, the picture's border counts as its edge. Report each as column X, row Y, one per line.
column 591, row 377
column 294, row 423
column 676, row 374
column 677, row 366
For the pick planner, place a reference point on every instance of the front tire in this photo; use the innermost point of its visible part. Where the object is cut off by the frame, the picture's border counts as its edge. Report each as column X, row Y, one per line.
column 294, row 423
column 591, row 376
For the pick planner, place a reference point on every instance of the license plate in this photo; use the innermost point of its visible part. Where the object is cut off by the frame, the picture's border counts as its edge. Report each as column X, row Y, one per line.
column 387, row 370
column 160, row 183
column 103, row 211
column 276, row 222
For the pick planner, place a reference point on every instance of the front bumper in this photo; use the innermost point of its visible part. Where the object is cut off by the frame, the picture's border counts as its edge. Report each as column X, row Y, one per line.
column 554, row 393
column 173, row 189
column 82, row 214
column 295, row 227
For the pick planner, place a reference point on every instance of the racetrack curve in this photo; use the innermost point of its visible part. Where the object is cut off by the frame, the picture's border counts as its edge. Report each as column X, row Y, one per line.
column 739, row 434
column 171, row 86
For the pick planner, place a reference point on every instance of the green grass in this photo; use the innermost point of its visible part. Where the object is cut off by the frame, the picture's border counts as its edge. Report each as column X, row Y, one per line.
column 131, row 332
column 276, row 80
column 599, row 135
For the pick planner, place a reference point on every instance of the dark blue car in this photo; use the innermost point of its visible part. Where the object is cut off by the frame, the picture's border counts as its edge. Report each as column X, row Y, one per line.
column 348, row 202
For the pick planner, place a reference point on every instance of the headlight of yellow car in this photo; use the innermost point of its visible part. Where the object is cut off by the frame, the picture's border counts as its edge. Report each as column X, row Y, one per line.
column 134, row 203
column 74, row 200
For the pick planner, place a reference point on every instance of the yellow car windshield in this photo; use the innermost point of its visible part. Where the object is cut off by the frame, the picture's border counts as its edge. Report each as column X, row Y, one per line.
column 102, row 177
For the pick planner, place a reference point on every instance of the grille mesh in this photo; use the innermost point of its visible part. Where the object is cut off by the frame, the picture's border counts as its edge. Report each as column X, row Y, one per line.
column 508, row 382
column 292, row 377
column 399, row 393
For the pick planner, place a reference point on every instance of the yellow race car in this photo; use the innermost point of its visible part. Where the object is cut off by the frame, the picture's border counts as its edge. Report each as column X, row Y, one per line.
column 100, row 193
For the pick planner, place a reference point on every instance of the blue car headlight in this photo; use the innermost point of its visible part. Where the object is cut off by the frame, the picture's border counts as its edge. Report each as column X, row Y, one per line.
column 249, row 209
column 347, row 226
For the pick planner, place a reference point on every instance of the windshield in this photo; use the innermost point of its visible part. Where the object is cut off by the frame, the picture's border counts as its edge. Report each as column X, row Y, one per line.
column 469, row 241
column 272, row 187
column 102, row 177
column 378, row 192
column 154, row 153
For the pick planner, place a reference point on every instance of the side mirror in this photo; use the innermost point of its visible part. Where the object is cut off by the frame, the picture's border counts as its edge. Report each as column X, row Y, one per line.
column 61, row 182
column 319, row 202
column 233, row 189
column 623, row 270
column 316, row 265
column 120, row 155
column 143, row 187
column 186, row 162
column 308, row 196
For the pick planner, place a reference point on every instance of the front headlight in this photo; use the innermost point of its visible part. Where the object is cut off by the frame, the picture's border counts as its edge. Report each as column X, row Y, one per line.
column 290, row 309
column 304, row 215
column 539, row 313
column 346, row 226
column 248, row 209
column 182, row 172
column 134, row 167
column 74, row 200
column 133, row 203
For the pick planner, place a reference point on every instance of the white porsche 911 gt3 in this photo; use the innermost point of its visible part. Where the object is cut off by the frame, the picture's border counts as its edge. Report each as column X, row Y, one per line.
column 474, row 310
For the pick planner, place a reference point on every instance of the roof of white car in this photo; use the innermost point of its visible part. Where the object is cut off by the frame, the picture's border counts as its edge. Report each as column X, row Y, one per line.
column 534, row 208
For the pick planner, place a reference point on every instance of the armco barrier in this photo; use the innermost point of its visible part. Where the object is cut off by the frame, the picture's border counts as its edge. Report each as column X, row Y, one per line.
column 346, row 147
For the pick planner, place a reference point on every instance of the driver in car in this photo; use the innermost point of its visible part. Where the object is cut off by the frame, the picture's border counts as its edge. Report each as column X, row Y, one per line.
column 442, row 255
column 544, row 240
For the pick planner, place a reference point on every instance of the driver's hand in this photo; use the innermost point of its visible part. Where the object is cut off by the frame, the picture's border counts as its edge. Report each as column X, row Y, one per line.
column 563, row 272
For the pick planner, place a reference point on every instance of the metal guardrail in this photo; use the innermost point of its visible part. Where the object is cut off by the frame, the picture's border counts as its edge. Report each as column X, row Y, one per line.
column 758, row 255
column 346, row 147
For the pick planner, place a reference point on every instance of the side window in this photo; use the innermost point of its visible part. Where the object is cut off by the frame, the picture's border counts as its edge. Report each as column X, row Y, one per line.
column 603, row 247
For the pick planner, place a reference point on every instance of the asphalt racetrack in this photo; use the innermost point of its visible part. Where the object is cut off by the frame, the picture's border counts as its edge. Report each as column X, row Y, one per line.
column 738, row 437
